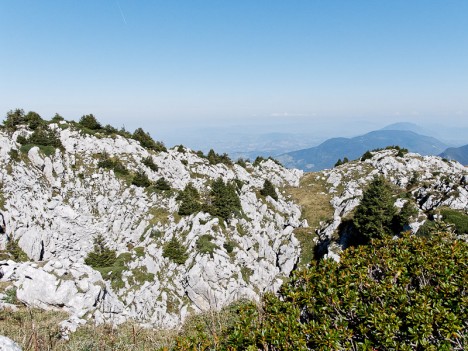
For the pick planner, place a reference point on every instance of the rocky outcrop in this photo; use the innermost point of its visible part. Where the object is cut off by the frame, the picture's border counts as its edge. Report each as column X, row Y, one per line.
column 55, row 205
column 7, row 344
column 432, row 182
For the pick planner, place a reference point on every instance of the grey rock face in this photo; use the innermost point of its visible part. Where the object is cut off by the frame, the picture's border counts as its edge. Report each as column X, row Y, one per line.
column 432, row 181
column 56, row 205
column 7, row 344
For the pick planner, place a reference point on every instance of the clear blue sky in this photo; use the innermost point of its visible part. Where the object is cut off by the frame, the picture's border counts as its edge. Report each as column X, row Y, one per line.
column 149, row 63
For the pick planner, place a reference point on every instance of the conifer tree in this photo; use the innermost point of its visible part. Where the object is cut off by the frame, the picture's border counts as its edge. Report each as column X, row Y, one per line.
column 374, row 216
column 269, row 190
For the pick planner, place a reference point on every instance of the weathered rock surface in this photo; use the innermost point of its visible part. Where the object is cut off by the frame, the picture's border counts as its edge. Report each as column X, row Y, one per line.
column 432, row 182
column 7, row 344
column 56, row 205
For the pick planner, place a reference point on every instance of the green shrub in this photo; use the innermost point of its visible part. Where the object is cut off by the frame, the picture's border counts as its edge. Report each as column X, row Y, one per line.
column 162, row 184
column 112, row 164
column 214, row 158
column 269, row 190
column 241, row 162
column 366, row 156
column 229, row 246
column 175, row 251
column 90, row 122
column 190, row 201
column 338, row 163
column 396, row 294
column 44, row 136
column 205, row 246
column 15, row 251
column 140, row 179
column 10, row 296
column 457, row 218
column 148, row 162
column 14, row 118
column 101, row 256
column 181, row 149
column 147, row 141
column 14, row 155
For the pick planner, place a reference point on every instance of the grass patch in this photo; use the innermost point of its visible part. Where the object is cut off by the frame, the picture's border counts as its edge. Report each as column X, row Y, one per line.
column 306, row 239
column 39, row 330
column 46, row 150
column 313, row 197
column 457, row 218
column 160, row 215
column 140, row 275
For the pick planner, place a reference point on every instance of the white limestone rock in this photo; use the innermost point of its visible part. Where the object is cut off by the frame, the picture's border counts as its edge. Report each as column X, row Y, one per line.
column 7, row 344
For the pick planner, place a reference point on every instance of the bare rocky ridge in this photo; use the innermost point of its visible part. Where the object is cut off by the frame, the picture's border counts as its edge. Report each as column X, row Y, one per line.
column 55, row 206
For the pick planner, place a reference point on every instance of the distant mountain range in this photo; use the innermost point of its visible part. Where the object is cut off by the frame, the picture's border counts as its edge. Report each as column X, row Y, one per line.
column 326, row 154
column 459, row 154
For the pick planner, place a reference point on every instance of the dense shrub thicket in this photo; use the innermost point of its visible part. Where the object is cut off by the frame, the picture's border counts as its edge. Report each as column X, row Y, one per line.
column 406, row 294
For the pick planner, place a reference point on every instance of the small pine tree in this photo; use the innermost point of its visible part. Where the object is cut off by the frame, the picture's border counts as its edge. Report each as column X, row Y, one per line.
column 403, row 218
column 269, row 190
column 374, row 215
column 212, row 157
column 101, row 256
column 338, row 163
column 190, row 200
column 175, row 251
column 224, row 199
column 148, row 162
column 162, row 184
column 367, row 156
column 141, row 179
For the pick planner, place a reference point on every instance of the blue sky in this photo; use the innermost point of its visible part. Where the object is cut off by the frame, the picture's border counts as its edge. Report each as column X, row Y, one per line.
column 195, row 63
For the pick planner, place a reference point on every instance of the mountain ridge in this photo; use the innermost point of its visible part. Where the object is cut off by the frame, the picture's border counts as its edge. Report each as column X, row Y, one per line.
column 327, row 153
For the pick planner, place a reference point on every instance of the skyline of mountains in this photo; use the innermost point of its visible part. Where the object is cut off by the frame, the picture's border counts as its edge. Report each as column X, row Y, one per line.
column 327, row 153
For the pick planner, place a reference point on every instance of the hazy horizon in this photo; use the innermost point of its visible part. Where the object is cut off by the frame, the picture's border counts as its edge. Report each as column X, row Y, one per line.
column 190, row 71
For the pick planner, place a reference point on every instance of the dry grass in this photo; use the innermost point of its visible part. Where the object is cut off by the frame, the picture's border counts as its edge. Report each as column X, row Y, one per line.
column 37, row 330
column 313, row 198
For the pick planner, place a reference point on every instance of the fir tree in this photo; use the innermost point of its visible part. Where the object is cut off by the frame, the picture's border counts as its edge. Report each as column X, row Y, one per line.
column 374, row 216
column 269, row 190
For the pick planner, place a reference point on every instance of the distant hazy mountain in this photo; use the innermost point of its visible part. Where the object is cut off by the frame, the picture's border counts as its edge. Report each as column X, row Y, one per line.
column 459, row 154
column 326, row 154
column 408, row 126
